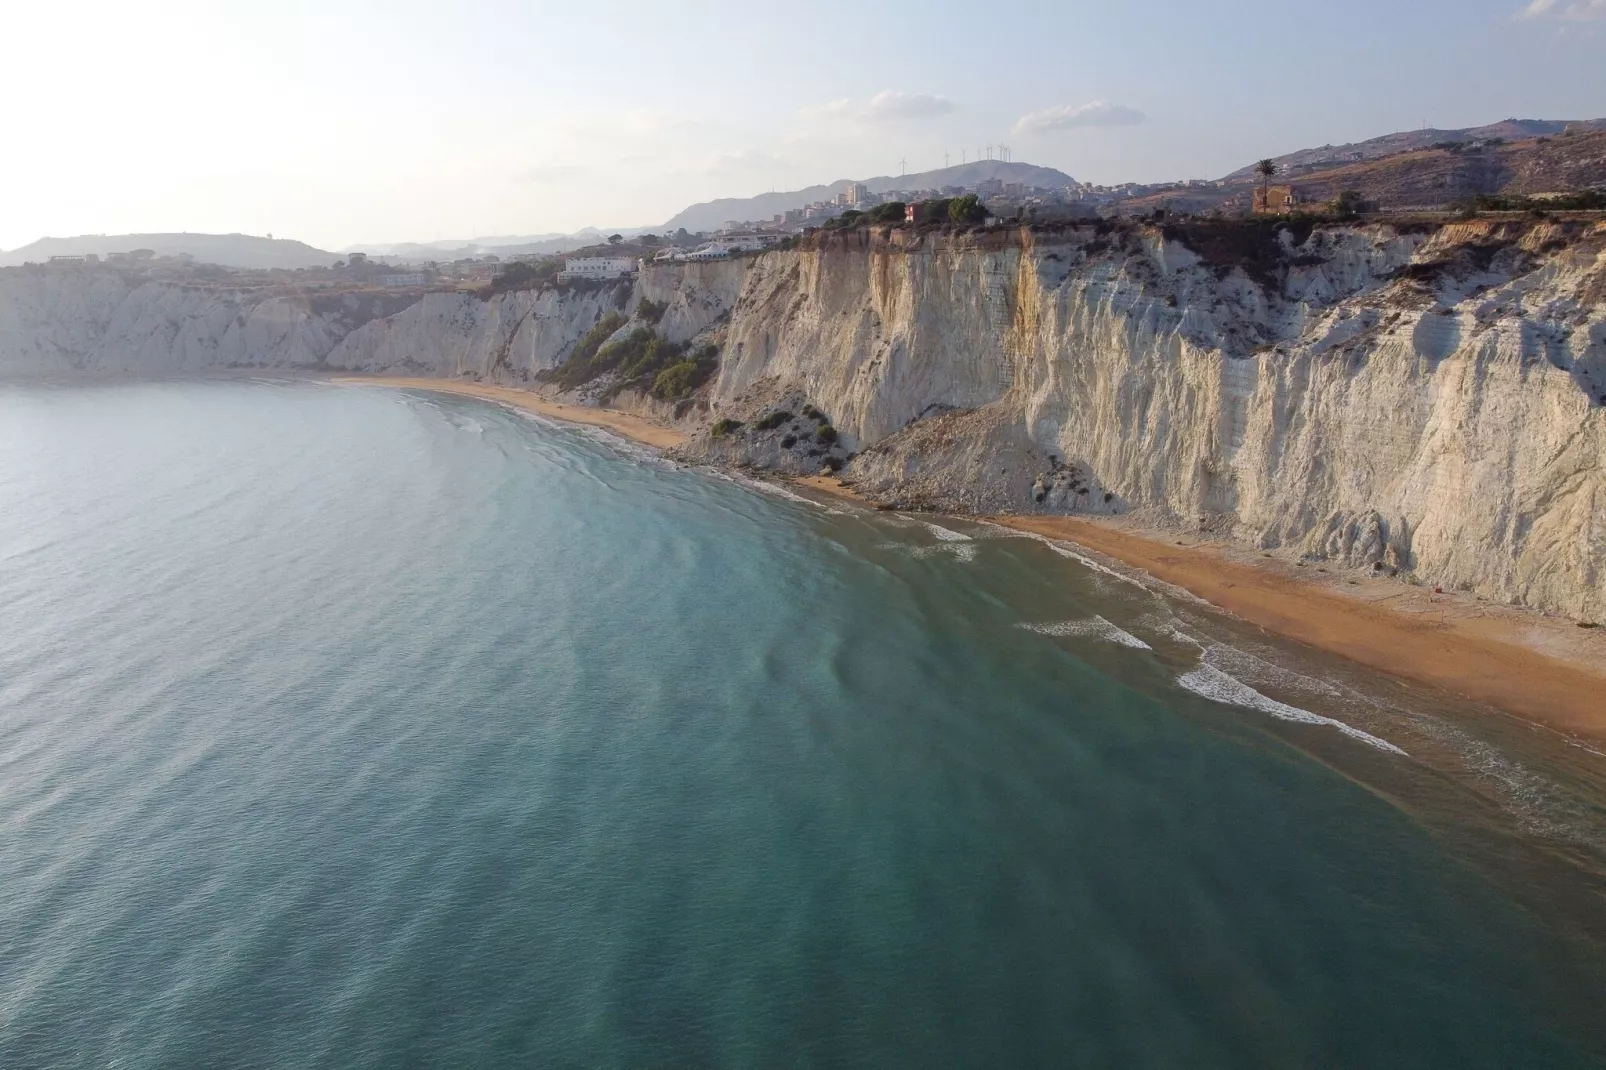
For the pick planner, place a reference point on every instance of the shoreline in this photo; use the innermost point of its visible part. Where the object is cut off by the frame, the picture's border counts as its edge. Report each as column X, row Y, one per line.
column 1535, row 667
column 637, row 428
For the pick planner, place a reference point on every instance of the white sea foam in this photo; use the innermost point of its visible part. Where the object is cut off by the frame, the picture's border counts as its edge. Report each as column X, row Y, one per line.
column 945, row 534
column 962, row 551
column 1210, row 682
column 1066, row 551
column 1093, row 628
column 1254, row 669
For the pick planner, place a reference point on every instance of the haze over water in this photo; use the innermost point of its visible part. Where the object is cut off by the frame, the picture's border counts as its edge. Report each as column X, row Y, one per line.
column 352, row 727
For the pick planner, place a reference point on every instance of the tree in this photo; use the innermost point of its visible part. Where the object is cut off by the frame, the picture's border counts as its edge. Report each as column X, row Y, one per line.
column 1265, row 169
column 891, row 212
column 1348, row 204
column 615, row 239
column 967, row 209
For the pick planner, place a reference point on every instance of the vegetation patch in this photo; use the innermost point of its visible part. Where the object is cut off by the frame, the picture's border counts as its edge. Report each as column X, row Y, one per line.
column 724, row 427
column 520, row 275
column 682, row 378
column 584, row 364
column 1253, row 246
column 774, row 420
column 642, row 360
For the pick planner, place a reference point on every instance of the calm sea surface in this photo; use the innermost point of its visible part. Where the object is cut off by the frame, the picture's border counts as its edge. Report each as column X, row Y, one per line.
column 350, row 727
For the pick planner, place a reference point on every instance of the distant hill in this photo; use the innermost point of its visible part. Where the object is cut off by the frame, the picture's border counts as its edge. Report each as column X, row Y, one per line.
column 1296, row 163
column 1448, row 170
column 229, row 250
column 711, row 215
column 1435, row 176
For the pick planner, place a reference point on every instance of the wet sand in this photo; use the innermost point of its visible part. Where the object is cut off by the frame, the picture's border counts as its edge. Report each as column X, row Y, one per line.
column 1540, row 668
column 632, row 427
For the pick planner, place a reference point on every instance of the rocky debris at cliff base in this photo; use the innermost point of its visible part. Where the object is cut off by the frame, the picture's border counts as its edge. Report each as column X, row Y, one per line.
column 771, row 431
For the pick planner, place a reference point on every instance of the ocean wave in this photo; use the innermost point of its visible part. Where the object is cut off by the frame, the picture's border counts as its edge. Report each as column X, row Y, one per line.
column 1092, row 628
column 946, row 534
column 1065, row 550
column 962, row 551
column 1209, row 682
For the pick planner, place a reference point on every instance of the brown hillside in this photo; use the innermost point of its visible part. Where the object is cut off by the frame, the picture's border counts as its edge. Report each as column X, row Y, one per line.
column 1432, row 177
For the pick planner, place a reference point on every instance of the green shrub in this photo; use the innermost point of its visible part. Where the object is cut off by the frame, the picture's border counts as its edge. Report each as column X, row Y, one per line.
column 651, row 311
column 774, row 420
column 788, row 442
column 520, row 274
column 967, row 210
column 724, row 427
column 891, row 212
column 826, row 434
column 580, row 367
column 675, row 381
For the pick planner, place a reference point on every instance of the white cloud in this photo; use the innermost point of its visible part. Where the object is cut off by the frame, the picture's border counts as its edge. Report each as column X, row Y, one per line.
column 1073, row 117
column 1567, row 10
column 888, row 106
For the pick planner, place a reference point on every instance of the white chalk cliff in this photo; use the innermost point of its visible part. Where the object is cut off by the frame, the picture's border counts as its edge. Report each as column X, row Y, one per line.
column 1427, row 400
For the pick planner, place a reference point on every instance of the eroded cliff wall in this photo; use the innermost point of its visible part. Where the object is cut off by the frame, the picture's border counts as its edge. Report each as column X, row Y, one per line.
column 1427, row 400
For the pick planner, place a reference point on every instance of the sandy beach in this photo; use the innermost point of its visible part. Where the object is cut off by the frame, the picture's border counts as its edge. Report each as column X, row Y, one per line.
column 1540, row 668
column 623, row 423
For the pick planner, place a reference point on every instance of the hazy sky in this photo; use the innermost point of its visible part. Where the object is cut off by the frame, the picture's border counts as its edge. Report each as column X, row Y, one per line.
column 345, row 121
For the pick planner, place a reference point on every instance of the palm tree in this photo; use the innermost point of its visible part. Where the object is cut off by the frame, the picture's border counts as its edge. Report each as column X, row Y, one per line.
column 1265, row 169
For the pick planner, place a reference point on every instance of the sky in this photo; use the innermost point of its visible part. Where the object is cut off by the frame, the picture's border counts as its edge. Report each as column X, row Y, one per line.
column 340, row 122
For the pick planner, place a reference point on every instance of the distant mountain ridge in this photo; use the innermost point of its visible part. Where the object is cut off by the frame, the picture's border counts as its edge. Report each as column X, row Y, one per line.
column 228, row 250
column 711, row 215
column 1412, row 140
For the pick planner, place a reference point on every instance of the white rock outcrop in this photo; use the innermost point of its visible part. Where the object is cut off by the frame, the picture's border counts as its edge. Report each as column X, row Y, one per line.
column 1427, row 400
column 1431, row 400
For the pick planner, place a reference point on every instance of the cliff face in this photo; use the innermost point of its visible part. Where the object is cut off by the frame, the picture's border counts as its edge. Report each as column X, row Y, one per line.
column 66, row 320
column 1421, row 401
column 1428, row 401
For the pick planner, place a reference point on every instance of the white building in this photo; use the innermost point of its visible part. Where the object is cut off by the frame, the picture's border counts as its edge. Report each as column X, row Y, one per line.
column 749, row 241
column 597, row 267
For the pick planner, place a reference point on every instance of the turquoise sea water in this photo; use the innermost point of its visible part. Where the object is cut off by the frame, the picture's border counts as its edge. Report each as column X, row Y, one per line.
column 351, row 727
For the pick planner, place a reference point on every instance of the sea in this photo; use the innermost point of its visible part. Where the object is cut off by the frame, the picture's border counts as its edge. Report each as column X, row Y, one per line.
column 353, row 726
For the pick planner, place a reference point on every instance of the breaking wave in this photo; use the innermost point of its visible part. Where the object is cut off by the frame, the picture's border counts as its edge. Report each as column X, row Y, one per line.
column 1093, row 628
column 1209, row 682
